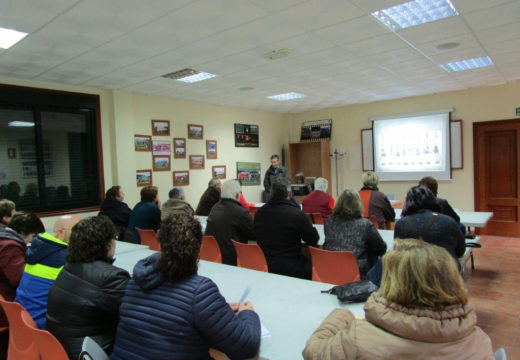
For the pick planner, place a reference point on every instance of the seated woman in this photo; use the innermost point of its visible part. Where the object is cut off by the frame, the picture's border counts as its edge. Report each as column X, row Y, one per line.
column 374, row 201
column 85, row 297
column 421, row 311
column 420, row 220
column 347, row 230
column 170, row 312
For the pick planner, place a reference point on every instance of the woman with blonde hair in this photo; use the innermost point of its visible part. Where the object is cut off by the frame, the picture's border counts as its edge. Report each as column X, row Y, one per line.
column 421, row 311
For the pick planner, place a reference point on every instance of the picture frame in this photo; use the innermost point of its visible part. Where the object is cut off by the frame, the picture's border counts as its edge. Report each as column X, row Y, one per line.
column 181, row 178
column 161, row 163
column 211, row 149
column 218, row 171
column 248, row 173
column 196, row 162
column 161, row 147
column 144, row 177
column 142, row 142
column 246, row 135
column 195, row 132
column 161, row 127
column 11, row 153
column 179, row 148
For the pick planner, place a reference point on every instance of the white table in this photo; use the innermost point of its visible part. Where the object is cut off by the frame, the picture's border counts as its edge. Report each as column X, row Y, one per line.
column 467, row 218
column 124, row 247
column 291, row 309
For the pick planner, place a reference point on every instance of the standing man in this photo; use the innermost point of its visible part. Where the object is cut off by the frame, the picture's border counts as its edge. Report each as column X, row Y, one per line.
column 275, row 171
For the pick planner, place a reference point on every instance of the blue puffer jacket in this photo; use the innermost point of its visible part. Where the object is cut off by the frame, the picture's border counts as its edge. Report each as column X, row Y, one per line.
column 44, row 260
column 182, row 320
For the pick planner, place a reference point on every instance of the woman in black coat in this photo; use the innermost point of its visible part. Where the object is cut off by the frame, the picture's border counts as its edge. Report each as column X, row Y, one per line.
column 85, row 298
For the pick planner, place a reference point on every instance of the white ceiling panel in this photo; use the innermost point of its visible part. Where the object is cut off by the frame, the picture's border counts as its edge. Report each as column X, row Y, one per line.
column 494, row 16
column 437, row 30
column 376, row 45
column 499, row 34
column 373, row 5
column 467, row 6
column 466, row 41
column 353, row 30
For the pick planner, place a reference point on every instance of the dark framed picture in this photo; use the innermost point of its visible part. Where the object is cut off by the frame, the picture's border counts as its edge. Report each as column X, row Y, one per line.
column 161, row 163
column 144, row 177
column 181, row 178
column 11, row 153
column 161, row 147
column 196, row 162
column 246, row 135
column 143, row 142
column 248, row 173
column 161, row 127
column 218, row 171
column 179, row 148
column 195, row 132
column 211, row 149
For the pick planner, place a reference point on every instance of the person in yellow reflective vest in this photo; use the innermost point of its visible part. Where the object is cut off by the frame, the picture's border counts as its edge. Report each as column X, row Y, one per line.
column 44, row 260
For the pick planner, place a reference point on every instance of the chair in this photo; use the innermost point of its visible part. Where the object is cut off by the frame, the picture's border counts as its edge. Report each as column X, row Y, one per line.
column 309, row 216
column 250, row 256
column 90, row 350
column 334, row 267
column 209, row 249
column 252, row 211
column 373, row 219
column 21, row 343
column 318, row 219
column 48, row 346
column 149, row 238
column 500, row 354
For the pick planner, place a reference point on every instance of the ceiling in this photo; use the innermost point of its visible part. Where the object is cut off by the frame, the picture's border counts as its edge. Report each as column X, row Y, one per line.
column 339, row 54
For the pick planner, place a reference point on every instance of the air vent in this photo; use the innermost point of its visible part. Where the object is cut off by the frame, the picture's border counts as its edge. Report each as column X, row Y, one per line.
column 277, row 54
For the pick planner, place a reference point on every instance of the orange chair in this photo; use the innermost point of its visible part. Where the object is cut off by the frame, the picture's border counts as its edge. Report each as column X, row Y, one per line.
column 309, row 216
column 21, row 343
column 149, row 238
column 252, row 211
column 334, row 267
column 48, row 346
column 318, row 219
column 209, row 249
column 250, row 256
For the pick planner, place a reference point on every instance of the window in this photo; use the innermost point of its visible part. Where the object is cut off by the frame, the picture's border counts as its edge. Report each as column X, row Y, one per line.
column 50, row 154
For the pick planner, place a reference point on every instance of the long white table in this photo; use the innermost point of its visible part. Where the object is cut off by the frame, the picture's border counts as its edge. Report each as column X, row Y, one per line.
column 467, row 218
column 124, row 247
column 291, row 309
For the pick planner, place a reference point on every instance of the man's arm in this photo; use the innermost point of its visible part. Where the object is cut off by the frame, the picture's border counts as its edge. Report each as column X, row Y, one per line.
column 309, row 234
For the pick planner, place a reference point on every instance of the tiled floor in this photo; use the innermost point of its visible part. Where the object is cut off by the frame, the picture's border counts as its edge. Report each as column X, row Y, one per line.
column 494, row 290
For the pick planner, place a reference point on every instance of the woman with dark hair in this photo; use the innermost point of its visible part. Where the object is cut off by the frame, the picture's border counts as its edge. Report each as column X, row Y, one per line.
column 420, row 220
column 170, row 312
column 84, row 300
column 146, row 213
column 114, row 208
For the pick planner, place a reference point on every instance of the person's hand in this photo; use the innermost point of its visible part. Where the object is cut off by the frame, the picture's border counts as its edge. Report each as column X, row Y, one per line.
column 246, row 305
column 233, row 306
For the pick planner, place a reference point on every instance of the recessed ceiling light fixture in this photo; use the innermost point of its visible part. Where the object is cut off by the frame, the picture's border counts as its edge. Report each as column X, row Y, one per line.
column 245, row 88
column 20, row 123
column 287, row 96
column 468, row 64
column 189, row 75
column 277, row 54
column 447, row 46
column 9, row 37
column 415, row 13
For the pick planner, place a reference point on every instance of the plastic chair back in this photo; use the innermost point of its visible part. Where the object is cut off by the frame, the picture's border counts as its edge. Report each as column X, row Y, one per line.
column 334, row 267
column 373, row 219
column 318, row 219
column 309, row 216
column 365, row 199
column 21, row 343
column 500, row 354
column 209, row 249
column 250, row 256
column 149, row 238
column 90, row 350
column 48, row 346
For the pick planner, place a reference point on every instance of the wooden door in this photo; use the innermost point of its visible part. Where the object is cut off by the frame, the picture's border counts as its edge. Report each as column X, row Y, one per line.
column 496, row 155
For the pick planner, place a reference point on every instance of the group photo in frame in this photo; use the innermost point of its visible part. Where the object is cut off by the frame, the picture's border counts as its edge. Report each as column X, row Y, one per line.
column 195, row 132
column 211, row 149
column 218, row 171
column 142, row 142
column 161, row 163
column 248, row 173
column 161, row 127
column 179, row 148
column 144, row 177
column 161, row 147
column 196, row 162
column 181, row 178
column 246, row 135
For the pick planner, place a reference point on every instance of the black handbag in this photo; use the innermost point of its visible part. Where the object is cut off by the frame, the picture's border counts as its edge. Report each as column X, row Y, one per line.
column 357, row 291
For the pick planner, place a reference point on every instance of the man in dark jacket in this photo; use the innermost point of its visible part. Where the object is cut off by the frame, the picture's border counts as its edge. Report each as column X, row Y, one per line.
column 209, row 198
column 229, row 220
column 275, row 171
column 176, row 204
column 446, row 208
column 280, row 227
column 44, row 260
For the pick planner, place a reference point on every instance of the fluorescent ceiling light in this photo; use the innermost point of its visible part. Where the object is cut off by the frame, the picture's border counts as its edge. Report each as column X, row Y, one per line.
column 469, row 64
column 414, row 13
column 287, row 96
column 9, row 37
column 21, row 123
column 197, row 77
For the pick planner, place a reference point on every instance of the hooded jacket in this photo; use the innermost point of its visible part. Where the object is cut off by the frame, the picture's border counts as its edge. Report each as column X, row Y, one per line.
column 117, row 211
column 392, row 331
column 44, row 260
column 160, row 319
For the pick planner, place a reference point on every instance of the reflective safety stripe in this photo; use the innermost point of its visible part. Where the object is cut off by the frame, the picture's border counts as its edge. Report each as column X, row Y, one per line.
column 43, row 271
column 49, row 237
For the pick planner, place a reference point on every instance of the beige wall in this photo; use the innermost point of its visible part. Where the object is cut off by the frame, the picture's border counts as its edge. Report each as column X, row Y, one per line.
column 481, row 104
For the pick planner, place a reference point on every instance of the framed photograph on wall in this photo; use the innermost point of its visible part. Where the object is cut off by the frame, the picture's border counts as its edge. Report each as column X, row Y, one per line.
column 161, row 147
column 161, row 163
column 161, row 127
column 195, row 132
column 246, row 135
column 144, row 177
column 211, row 149
column 218, row 171
column 11, row 153
column 196, row 162
column 143, row 142
column 179, row 148
column 248, row 173
column 181, row 178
